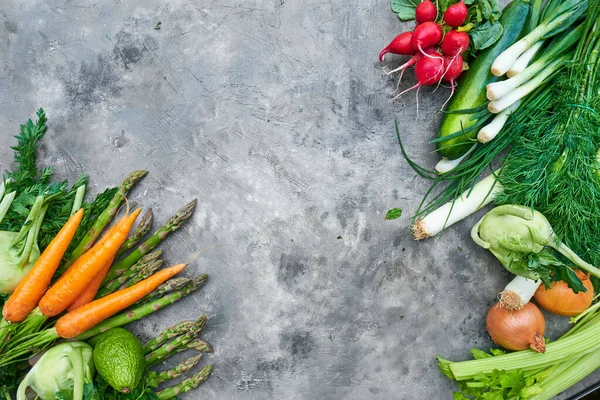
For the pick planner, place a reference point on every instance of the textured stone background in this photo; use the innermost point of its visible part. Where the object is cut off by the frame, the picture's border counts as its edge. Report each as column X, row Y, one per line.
column 277, row 117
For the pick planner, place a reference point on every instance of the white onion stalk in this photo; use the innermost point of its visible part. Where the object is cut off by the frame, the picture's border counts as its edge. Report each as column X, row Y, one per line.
column 491, row 130
column 497, row 90
column 524, row 60
column 445, row 165
column 508, row 57
column 78, row 199
column 5, row 204
column 518, row 292
column 503, row 103
column 482, row 194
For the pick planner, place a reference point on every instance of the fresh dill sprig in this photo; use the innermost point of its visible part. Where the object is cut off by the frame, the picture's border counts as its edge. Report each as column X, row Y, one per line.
column 553, row 163
column 24, row 153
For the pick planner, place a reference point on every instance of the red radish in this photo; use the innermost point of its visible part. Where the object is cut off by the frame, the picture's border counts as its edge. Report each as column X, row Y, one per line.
column 401, row 44
column 426, row 11
column 425, row 35
column 453, row 67
column 428, row 70
column 413, row 60
column 456, row 14
column 454, row 43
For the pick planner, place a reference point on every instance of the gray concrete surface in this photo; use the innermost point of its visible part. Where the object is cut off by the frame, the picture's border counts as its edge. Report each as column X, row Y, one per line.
column 277, row 117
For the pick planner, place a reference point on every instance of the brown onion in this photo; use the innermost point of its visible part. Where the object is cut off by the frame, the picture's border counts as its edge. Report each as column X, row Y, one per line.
column 517, row 329
column 560, row 298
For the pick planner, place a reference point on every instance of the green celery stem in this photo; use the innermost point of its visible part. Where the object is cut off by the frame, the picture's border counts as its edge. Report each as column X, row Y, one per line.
column 581, row 343
column 569, row 376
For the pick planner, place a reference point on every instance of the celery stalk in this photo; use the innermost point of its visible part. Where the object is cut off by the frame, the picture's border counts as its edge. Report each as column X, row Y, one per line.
column 581, row 343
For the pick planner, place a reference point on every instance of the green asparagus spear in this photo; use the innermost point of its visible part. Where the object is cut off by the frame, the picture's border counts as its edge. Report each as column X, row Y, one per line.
column 194, row 344
column 169, row 286
column 156, row 378
column 173, row 224
column 143, row 310
column 199, row 345
column 103, row 219
column 142, row 229
column 168, row 334
column 144, row 273
column 113, row 285
column 170, row 348
column 186, row 385
column 43, row 339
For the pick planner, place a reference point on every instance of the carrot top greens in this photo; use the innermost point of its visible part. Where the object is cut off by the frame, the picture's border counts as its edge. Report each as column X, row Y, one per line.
column 29, row 182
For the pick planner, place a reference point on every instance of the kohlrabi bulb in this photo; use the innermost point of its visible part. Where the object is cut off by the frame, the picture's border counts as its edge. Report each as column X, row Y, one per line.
column 63, row 366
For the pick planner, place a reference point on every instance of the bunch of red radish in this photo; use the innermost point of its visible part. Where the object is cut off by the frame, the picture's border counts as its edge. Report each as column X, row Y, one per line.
column 436, row 56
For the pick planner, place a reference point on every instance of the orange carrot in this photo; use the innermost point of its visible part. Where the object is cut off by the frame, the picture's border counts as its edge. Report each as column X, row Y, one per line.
column 31, row 289
column 78, row 321
column 90, row 291
column 79, row 275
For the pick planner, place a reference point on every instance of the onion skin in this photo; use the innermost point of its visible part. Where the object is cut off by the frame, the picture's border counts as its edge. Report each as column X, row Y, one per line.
column 560, row 298
column 517, row 329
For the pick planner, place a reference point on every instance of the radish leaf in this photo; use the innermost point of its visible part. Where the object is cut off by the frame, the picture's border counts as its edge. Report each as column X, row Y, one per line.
column 485, row 35
column 405, row 9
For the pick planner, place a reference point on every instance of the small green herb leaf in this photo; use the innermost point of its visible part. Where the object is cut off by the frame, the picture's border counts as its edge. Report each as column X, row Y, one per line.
column 405, row 9
column 158, row 24
column 497, row 352
column 479, row 354
column 394, row 213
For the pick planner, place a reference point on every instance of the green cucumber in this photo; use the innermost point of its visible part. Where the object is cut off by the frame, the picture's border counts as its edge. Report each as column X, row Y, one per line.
column 471, row 87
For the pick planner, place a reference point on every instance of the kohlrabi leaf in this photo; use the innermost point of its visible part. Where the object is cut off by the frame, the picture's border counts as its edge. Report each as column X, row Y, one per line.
column 485, row 35
column 90, row 392
column 566, row 274
column 405, row 9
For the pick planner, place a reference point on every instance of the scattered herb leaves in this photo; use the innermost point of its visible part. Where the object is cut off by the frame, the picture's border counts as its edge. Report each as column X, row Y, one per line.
column 394, row 213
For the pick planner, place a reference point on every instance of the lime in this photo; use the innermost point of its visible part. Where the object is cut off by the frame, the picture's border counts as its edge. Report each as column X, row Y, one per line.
column 119, row 359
